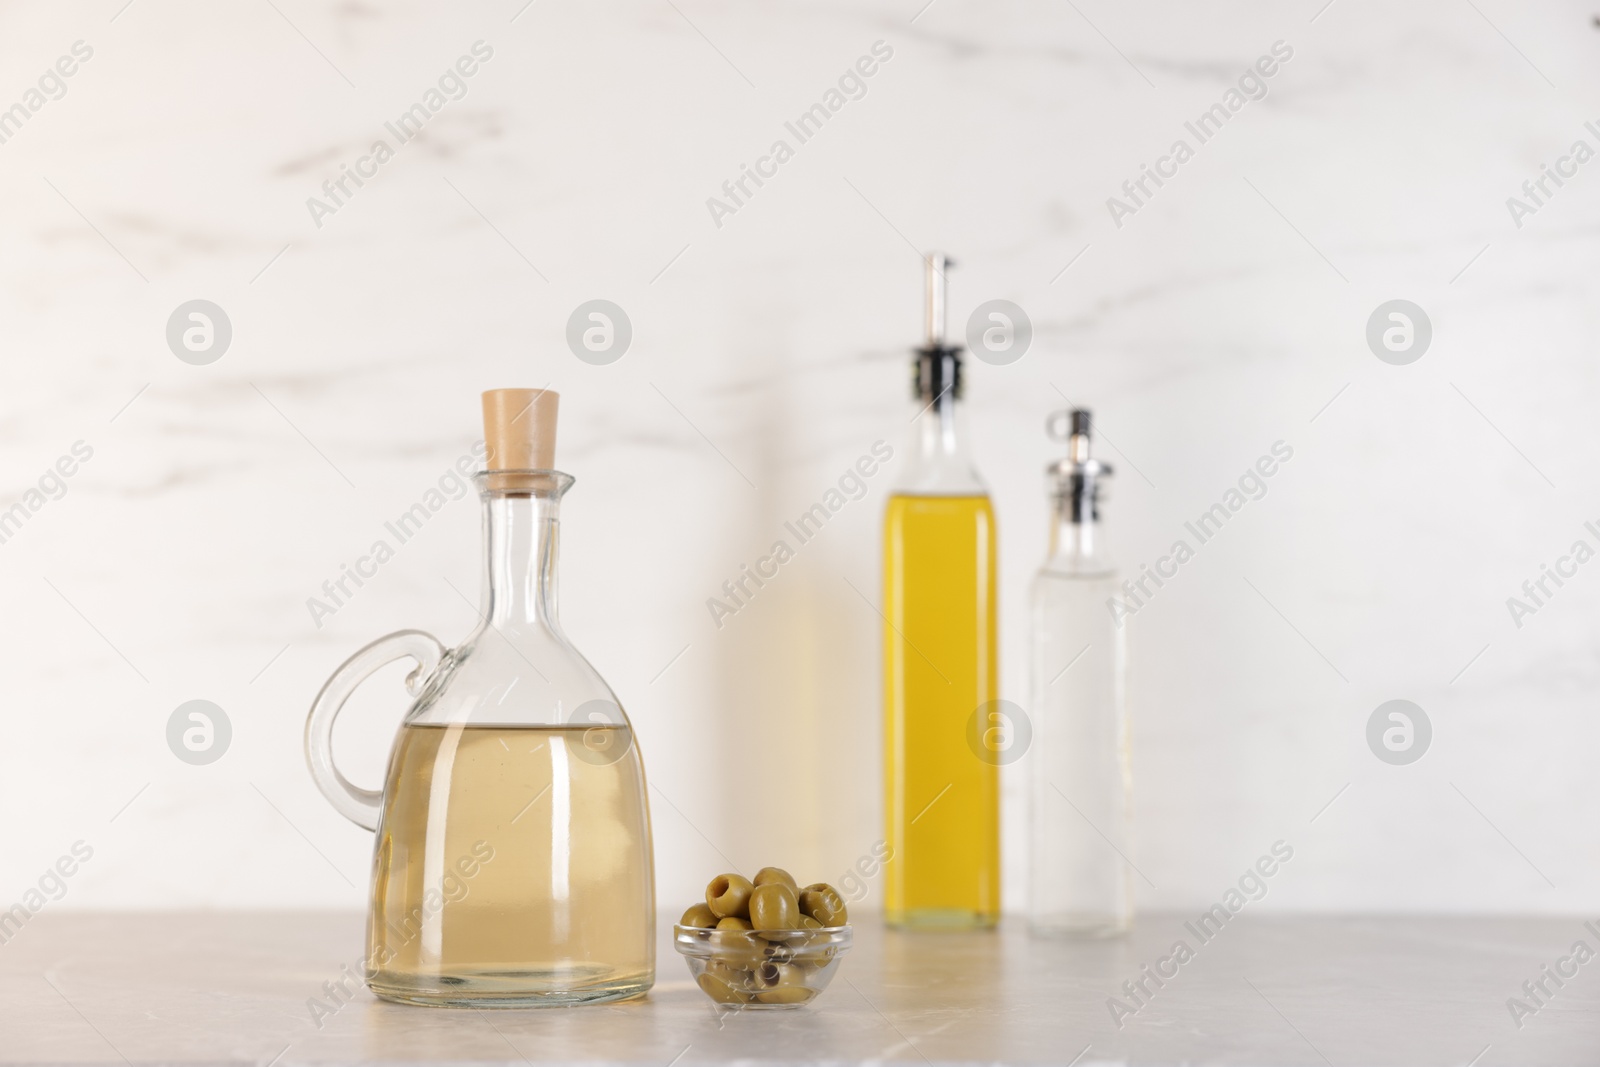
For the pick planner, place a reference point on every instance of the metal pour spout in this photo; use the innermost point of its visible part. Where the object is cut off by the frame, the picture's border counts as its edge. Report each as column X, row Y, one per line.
column 934, row 265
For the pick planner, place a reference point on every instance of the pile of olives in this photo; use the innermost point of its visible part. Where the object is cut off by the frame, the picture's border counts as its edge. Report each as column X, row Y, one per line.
column 762, row 953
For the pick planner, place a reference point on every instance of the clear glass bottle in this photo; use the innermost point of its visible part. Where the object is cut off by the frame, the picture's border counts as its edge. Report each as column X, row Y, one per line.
column 513, row 863
column 941, row 789
column 1080, row 792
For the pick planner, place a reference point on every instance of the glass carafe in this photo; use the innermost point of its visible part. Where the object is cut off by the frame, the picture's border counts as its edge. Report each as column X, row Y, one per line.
column 513, row 861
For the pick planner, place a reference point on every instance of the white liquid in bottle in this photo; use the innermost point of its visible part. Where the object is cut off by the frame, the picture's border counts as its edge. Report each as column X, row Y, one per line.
column 1079, row 795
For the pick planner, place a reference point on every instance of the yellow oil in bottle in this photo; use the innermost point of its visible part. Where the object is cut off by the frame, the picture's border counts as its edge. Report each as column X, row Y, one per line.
column 509, row 867
column 942, row 800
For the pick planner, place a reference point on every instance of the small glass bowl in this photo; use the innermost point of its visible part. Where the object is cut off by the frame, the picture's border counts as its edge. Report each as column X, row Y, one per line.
column 771, row 969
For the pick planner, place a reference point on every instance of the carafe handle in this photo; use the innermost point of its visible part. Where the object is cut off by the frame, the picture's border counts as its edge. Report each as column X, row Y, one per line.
column 361, row 806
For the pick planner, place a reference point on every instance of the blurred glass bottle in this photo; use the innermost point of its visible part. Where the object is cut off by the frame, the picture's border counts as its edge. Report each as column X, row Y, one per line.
column 1080, row 793
column 941, row 797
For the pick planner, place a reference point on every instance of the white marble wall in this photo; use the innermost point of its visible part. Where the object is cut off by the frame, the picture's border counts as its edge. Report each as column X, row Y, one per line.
column 1228, row 313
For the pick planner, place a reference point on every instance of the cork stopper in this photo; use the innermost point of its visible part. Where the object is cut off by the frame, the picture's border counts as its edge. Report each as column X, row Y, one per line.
column 519, row 428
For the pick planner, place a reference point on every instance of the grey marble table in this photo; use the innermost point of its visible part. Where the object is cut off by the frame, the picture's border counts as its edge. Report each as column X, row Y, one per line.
column 212, row 988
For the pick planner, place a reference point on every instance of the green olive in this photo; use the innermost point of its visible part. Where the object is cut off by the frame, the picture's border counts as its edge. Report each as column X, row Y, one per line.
column 737, row 947
column 799, row 942
column 771, row 975
column 781, row 983
column 778, row 951
column 729, row 894
column 721, row 989
column 773, row 907
column 732, row 922
column 737, row 976
column 786, row 994
column 823, row 903
column 775, row 874
column 699, row 916
column 815, row 959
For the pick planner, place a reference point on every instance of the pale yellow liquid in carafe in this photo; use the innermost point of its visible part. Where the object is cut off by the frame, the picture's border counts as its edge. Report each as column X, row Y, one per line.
column 512, row 867
column 942, row 800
